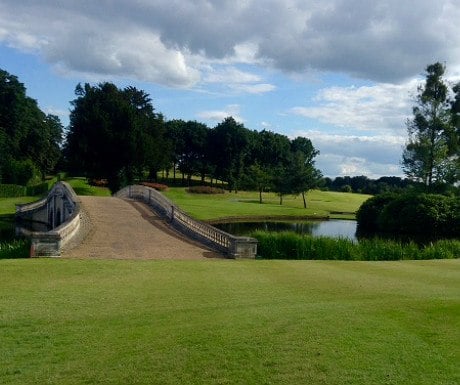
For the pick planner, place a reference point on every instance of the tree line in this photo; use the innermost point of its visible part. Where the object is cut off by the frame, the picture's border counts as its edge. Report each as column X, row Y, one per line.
column 115, row 134
column 30, row 139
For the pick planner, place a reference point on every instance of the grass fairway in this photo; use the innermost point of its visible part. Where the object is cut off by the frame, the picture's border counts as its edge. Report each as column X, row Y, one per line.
column 229, row 322
column 246, row 203
column 81, row 187
column 8, row 205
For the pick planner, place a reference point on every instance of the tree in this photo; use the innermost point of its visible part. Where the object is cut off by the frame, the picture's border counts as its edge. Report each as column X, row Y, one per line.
column 114, row 134
column 193, row 159
column 302, row 172
column 259, row 178
column 229, row 142
column 29, row 139
column 454, row 142
column 427, row 156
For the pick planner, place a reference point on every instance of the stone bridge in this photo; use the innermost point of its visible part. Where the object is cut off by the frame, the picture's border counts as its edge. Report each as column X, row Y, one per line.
column 58, row 215
column 138, row 222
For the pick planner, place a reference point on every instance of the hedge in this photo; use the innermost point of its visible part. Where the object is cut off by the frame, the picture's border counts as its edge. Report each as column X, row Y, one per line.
column 12, row 191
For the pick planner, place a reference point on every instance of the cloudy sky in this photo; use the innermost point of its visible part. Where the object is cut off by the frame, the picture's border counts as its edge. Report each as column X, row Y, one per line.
column 341, row 72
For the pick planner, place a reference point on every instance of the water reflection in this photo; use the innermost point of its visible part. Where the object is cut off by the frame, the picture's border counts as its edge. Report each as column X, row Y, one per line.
column 11, row 229
column 331, row 228
column 7, row 229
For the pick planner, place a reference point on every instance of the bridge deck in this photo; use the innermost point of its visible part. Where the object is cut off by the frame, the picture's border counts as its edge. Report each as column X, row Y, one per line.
column 130, row 230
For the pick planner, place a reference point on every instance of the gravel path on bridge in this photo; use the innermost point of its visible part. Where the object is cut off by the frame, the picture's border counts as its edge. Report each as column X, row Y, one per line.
column 119, row 229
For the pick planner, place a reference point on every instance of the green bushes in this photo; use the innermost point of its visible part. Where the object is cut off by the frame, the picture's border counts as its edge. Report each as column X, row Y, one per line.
column 38, row 189
column 289, row 245
column 18, row 248
column 205, row 190
column 156, row 186
column 417, row 214
column 12, row 191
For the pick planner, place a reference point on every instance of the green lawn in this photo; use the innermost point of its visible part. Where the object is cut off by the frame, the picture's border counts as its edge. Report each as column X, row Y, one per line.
column 320, row 204
column 229, row 322
column 81, row 187
column 79, row 184
column 8, row 205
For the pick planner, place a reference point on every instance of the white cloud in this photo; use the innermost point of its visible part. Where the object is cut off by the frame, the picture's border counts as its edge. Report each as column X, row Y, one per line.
column 171, row 41
column 357, row 155
column 338, row 165
column 371, row 108
column 231, row 75
column 253, row 88
column 214, row 116
column 237, row 80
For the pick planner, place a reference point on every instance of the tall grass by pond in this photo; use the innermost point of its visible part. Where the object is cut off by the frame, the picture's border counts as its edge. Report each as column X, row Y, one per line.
column 17, row 248
column 289, row 245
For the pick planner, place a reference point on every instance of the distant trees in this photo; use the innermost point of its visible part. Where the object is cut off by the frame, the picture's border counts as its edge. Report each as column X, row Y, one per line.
column 363, row 184
column 432, row 152
column 29, row 139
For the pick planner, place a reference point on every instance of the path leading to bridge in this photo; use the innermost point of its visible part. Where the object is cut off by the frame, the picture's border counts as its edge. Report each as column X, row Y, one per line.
column 120, row 229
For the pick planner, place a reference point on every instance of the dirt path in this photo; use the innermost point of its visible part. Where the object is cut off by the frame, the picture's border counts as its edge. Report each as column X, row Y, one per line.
column 115, row 228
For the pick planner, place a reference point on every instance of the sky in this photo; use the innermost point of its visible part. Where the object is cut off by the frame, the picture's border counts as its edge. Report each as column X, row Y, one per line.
column 343, row 73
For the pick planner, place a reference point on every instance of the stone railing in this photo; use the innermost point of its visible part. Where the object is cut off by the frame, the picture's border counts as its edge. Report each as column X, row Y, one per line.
column 235, row 247
column 60, row 210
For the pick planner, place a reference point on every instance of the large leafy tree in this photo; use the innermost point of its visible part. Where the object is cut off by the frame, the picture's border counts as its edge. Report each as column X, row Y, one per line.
column 29, row 139
column 114, row 134
column 455, row 133
column 302, row 172
column 194, row 159
column 428, row 153
column 229, row 142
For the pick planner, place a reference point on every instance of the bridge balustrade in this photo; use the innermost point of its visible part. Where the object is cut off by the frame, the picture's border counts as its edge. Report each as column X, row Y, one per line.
column 232, row 245
column 60, row 211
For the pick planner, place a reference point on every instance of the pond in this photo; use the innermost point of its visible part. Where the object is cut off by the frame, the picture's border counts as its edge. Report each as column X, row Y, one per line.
column 331, row 228
column 9, row 228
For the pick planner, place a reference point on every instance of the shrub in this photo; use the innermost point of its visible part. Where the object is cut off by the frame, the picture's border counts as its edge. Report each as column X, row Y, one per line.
column 19, row 248
column 426, row 214
column 98, row 182
column 12, row 191
column 205, row 190
column 416, row 214
column 38, row 189
column 156, row 186
column 289, row 245
column 369, row 212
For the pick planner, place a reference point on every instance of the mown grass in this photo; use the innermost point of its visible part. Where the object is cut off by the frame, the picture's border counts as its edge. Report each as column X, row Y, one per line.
column 81, row 187
column 246, row 204
column 8, row 205
column 229, row 322
column 289, row 245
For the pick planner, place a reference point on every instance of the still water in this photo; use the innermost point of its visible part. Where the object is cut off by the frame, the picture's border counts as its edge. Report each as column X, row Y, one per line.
column 331, row 228
column 9, row 228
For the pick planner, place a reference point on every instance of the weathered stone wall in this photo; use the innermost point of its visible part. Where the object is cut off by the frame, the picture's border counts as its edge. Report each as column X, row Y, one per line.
column 60, row 211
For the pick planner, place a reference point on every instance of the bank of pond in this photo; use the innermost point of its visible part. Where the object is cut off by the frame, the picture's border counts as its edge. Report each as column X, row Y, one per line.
column 306, row 240
column 337, row 240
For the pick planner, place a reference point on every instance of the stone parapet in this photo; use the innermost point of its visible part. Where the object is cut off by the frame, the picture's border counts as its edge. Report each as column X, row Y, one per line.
column 60, row 211
column 231, row 245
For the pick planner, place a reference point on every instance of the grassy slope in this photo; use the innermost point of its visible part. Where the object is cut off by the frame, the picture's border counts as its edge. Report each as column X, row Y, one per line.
column 229, row 322
column 320, row 203
column 8, row 205
column 81, row 187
